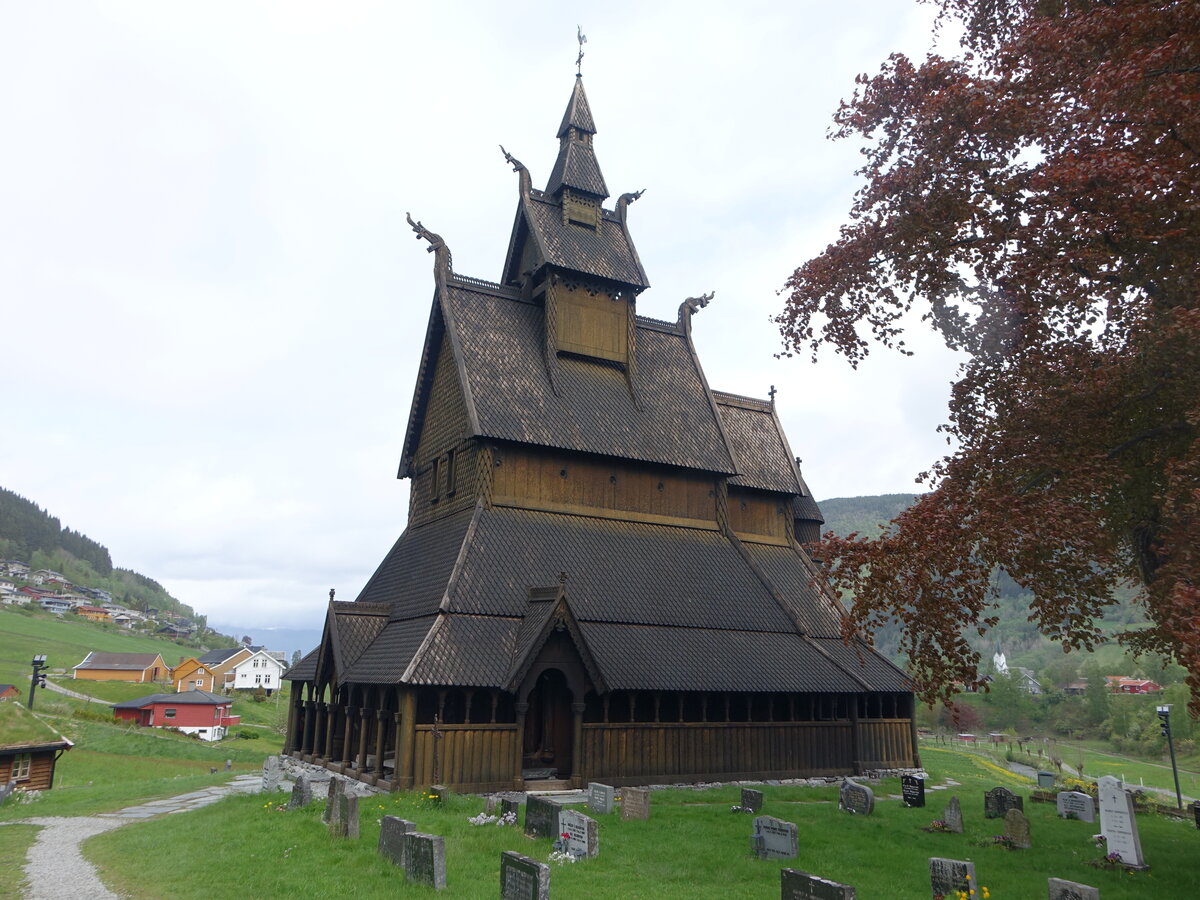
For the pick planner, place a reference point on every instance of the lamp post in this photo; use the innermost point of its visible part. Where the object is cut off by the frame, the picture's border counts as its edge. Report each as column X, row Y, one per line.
column 1164, row 725
column 38, row 679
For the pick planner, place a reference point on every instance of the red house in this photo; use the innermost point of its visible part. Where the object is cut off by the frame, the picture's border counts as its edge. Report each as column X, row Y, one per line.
column 1121, row 684
column 205, row 715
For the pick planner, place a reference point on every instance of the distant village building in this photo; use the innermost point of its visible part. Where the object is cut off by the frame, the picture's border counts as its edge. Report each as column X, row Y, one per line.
column 193, row 675
column 201, row 713
column 602, row 576
column 1123, row 684
column 222, row 663
column 260, row 670
column 137, row 667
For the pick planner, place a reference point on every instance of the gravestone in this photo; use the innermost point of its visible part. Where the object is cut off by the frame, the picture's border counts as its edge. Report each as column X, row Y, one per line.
column 912, row 789
column 392, row 830
column 752, row 800
column 947, row 876
column 272, row 773
column 510, row 806
column 349, row 824
column 228, row 764
column 541, row 817
column 301, row 793
column 1000, row 800
column 774, row 838
column 635, row 803
column 1118, row 823
column 522, row 878
column 1061, row 889
column 1045, row 780
column 7, row 788
column 953, row 816
column 440, row 791
column 425, row 859
column 600, row 798
column 1016, row 829
column 582, row 834
column 332, row 806
column 1076, row 805
column 856, row 798
column 797, row 885
column 489, row 804
column 1196, row 813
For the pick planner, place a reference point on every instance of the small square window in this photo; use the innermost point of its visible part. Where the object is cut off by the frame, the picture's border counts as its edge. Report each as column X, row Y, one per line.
column 22, row 763
column 168, row 713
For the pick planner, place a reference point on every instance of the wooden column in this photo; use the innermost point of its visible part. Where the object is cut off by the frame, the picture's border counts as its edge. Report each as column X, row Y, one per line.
column 577, row 746
column 330, row 722
column 519, row 747
column 293, row 741
column 381, row 719
column 364, row 726
column 406, row 739
column 854, row 737
column 347, row 736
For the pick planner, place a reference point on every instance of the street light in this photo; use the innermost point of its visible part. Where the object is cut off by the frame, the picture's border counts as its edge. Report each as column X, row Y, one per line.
column 38, row 679
column 1164, row 726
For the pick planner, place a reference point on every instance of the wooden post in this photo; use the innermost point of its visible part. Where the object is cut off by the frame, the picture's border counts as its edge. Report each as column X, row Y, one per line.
column 330, row 721
column 406, row 739
column 364, row 727
column 347, row 734
column 577, row 781
column 854, row 738
column 518, row 747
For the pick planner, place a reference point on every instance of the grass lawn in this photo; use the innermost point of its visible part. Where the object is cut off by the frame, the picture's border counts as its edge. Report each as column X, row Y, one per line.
column 15, row 841
column 692, row 847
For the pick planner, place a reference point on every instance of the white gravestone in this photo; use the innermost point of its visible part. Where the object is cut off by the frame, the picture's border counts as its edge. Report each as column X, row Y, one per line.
column 774, row 839
column 1118, row 823
column 1076, row 805
column 582, row 834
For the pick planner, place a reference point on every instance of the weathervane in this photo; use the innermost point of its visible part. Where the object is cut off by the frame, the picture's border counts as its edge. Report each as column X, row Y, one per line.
column 579, row 59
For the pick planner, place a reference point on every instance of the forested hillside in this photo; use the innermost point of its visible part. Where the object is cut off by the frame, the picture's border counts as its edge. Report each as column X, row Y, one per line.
column 35, row 537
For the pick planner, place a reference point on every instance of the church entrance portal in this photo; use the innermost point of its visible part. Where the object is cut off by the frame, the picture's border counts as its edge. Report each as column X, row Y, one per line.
column 548, row 728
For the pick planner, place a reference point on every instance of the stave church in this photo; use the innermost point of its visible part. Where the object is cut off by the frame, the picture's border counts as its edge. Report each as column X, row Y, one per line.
column 603, row 576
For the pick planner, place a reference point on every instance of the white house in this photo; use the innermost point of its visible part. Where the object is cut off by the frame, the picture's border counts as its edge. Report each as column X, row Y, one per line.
column 259, row 670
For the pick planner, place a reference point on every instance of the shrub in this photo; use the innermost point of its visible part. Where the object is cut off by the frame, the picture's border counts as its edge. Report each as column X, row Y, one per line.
column 248, row 735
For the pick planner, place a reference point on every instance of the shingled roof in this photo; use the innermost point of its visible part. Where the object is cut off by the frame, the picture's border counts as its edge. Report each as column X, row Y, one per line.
column 760, row 449
column 132, row 662
column 743, row 617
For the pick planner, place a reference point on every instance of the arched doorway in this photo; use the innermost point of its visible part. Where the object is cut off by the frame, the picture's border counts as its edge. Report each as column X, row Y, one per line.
column 549, row 728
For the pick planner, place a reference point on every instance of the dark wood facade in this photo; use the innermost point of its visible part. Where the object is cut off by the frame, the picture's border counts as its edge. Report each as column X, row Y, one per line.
column 602, row 577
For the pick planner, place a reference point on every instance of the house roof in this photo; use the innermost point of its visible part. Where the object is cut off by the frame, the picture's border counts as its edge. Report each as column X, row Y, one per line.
column 216, row 657
column 183, row 698
column 497, row 341
column 22, row 731
column 760, row 450
column 123, row 661
column 451, row 605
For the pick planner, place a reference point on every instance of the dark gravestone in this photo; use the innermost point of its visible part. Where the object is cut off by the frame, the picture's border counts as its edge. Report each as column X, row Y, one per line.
column 425, row 859
column 600, row 798
column 1000, row 800
column 541, row 818
column 301, row 793
column 948, row 876
column 635, row 803
column 1045, row 780
column 582, row 834
column 856, row 798
column 332, row 808
column 522, row 878
column 752, row 800
column 912, row 789
column 1016, row 829
column 345, row 824
column 774, row 838
column 797, row 885
column 1076, row 805
column 1060, row 889
column 392, row 830
column 1196, row 813
column 511, row 806
column 440, row 791
column 953, row 816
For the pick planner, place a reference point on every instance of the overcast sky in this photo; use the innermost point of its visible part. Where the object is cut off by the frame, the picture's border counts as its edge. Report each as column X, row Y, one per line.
column 212, row 307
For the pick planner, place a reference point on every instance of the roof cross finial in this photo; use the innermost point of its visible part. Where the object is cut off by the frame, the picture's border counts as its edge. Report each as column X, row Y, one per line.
column 579, row 59
column 771, row 393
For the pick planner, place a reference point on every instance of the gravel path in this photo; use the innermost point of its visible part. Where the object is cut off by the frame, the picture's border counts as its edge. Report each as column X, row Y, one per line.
column 55, row 868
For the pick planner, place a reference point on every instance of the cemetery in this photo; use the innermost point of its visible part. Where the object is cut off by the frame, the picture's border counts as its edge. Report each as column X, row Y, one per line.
column 801, row 843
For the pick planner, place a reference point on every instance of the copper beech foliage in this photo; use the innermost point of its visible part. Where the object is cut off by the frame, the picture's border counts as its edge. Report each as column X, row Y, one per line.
column 1037, row 201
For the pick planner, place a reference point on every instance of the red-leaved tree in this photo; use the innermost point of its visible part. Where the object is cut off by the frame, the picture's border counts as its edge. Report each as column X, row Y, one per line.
column 1037, row 202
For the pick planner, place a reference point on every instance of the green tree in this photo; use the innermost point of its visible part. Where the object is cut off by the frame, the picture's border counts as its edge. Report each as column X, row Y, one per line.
column 1096, row 698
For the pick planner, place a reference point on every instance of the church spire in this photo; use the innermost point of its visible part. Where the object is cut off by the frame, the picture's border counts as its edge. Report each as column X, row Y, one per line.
column 576, row 168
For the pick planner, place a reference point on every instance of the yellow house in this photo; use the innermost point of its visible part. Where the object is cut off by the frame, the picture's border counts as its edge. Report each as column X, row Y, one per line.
column 221, row 663
column 122, row 667
column 192, row 675
column 93, row 613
